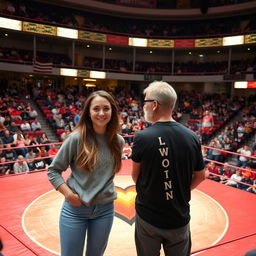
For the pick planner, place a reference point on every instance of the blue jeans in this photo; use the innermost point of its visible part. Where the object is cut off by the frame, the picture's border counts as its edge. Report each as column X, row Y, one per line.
column 75, row 222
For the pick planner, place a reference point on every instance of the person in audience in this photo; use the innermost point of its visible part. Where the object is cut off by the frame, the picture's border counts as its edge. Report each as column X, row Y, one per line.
column 44, row 153
column 25, row 115
column 65, row 134
column 207, row 124
column 56, row 111
column 32, row 113
column 7, row 139
column 2, row 129
column 27, row 139
column 226, row 173
column 29, row 158
column 234, row 179
column 127, row 152
column 52, row 152
column 59, row 122
column 21, row 165
column 25, row 126
column 38, row 163
column 212, row 172
column 19, row 142
column 126, row 132
column 248, row 171
column 10, row 153
column 216, row 154
column 34, row 141
column 70, row 125
column 7, row 121
column 252, row 188
column 2, row 118
column 93, row 151
column 35, row 125
column 13, row 128
column 243, row 160
column 4, row 168
column 77, row 117
column 245, row 180
column 15, row 114
column 43, row 139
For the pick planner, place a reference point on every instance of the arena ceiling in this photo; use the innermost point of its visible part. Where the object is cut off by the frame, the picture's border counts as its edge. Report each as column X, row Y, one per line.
column 164, row 14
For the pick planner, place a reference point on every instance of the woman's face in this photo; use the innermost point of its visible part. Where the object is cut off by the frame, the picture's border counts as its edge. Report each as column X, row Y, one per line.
column 100, row 113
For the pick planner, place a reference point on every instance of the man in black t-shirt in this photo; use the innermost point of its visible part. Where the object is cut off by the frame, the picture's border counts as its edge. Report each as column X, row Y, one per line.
column 4, row 168
column 38, row 163
column 167, row 165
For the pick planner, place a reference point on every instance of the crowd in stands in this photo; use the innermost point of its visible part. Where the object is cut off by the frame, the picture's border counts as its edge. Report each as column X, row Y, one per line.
column 208, row 113
column 235, row 137
column 244, row 179
column 180, row 68
column 39, row 12
column 123, row 66
column 62, row 110
column 26, row 56
column 19, row 128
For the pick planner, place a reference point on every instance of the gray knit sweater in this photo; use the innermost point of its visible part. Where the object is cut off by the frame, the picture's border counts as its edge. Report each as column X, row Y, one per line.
column 95, row 187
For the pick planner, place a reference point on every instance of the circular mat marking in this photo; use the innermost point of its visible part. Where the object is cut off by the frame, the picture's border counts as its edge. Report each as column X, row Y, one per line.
column 209, row 221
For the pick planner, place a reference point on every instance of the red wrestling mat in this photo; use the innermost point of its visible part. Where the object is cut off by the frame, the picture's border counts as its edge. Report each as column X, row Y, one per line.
column 21, row 196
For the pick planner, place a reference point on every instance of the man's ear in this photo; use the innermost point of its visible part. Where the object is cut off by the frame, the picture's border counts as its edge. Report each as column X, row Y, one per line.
column 155, row 105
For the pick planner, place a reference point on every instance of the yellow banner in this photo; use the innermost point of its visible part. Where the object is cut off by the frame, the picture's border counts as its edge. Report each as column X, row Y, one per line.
column 83, row 73
column 208, row 42
column 250, row 39
column 161, row 43
column 92, row 36
column 39, row 28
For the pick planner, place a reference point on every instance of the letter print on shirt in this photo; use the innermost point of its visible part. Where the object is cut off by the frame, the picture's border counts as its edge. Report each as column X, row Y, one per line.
column 167, row 183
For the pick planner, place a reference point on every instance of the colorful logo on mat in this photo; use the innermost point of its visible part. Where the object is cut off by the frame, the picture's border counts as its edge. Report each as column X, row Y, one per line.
column 125, row 204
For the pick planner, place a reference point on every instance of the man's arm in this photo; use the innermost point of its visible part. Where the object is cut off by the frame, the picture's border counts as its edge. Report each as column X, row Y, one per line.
column 197, row 178
column 135, row 170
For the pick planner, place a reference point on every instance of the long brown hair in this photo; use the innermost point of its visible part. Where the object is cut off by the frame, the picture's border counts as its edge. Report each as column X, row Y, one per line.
column 88, row 155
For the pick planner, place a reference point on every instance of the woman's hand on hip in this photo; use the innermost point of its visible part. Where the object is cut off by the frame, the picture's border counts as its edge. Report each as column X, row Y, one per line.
column 74, row 199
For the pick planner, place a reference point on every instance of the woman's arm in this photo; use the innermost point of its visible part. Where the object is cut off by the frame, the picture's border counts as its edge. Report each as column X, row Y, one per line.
column 70, row 196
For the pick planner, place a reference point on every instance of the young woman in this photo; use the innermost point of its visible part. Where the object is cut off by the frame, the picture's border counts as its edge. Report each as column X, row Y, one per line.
column 27, row 139
column 43, row 139
column 19, row 142
column 93, row 151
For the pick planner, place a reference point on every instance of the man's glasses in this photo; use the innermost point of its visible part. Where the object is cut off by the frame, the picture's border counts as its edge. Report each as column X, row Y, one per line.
column 148, row 101
column 144, row 101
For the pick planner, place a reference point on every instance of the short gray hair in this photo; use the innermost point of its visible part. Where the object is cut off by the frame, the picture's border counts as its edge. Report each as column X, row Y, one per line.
column 163, row 93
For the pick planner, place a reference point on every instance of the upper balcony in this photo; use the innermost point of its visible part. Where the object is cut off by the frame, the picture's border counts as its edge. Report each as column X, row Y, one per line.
column 162, row 9
column 170, row 49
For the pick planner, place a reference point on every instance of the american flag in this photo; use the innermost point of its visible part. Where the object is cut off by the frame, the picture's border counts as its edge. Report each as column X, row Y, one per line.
column 41, row 67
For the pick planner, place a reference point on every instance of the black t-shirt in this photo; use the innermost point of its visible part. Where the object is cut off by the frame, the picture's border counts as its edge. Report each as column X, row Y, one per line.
column 169, row 153
column 39, row 164
column 10, row 155
column 8, row 140
column 4, row 168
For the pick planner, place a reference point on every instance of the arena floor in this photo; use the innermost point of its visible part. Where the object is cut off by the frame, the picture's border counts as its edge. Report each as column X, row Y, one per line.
column 223, row 218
